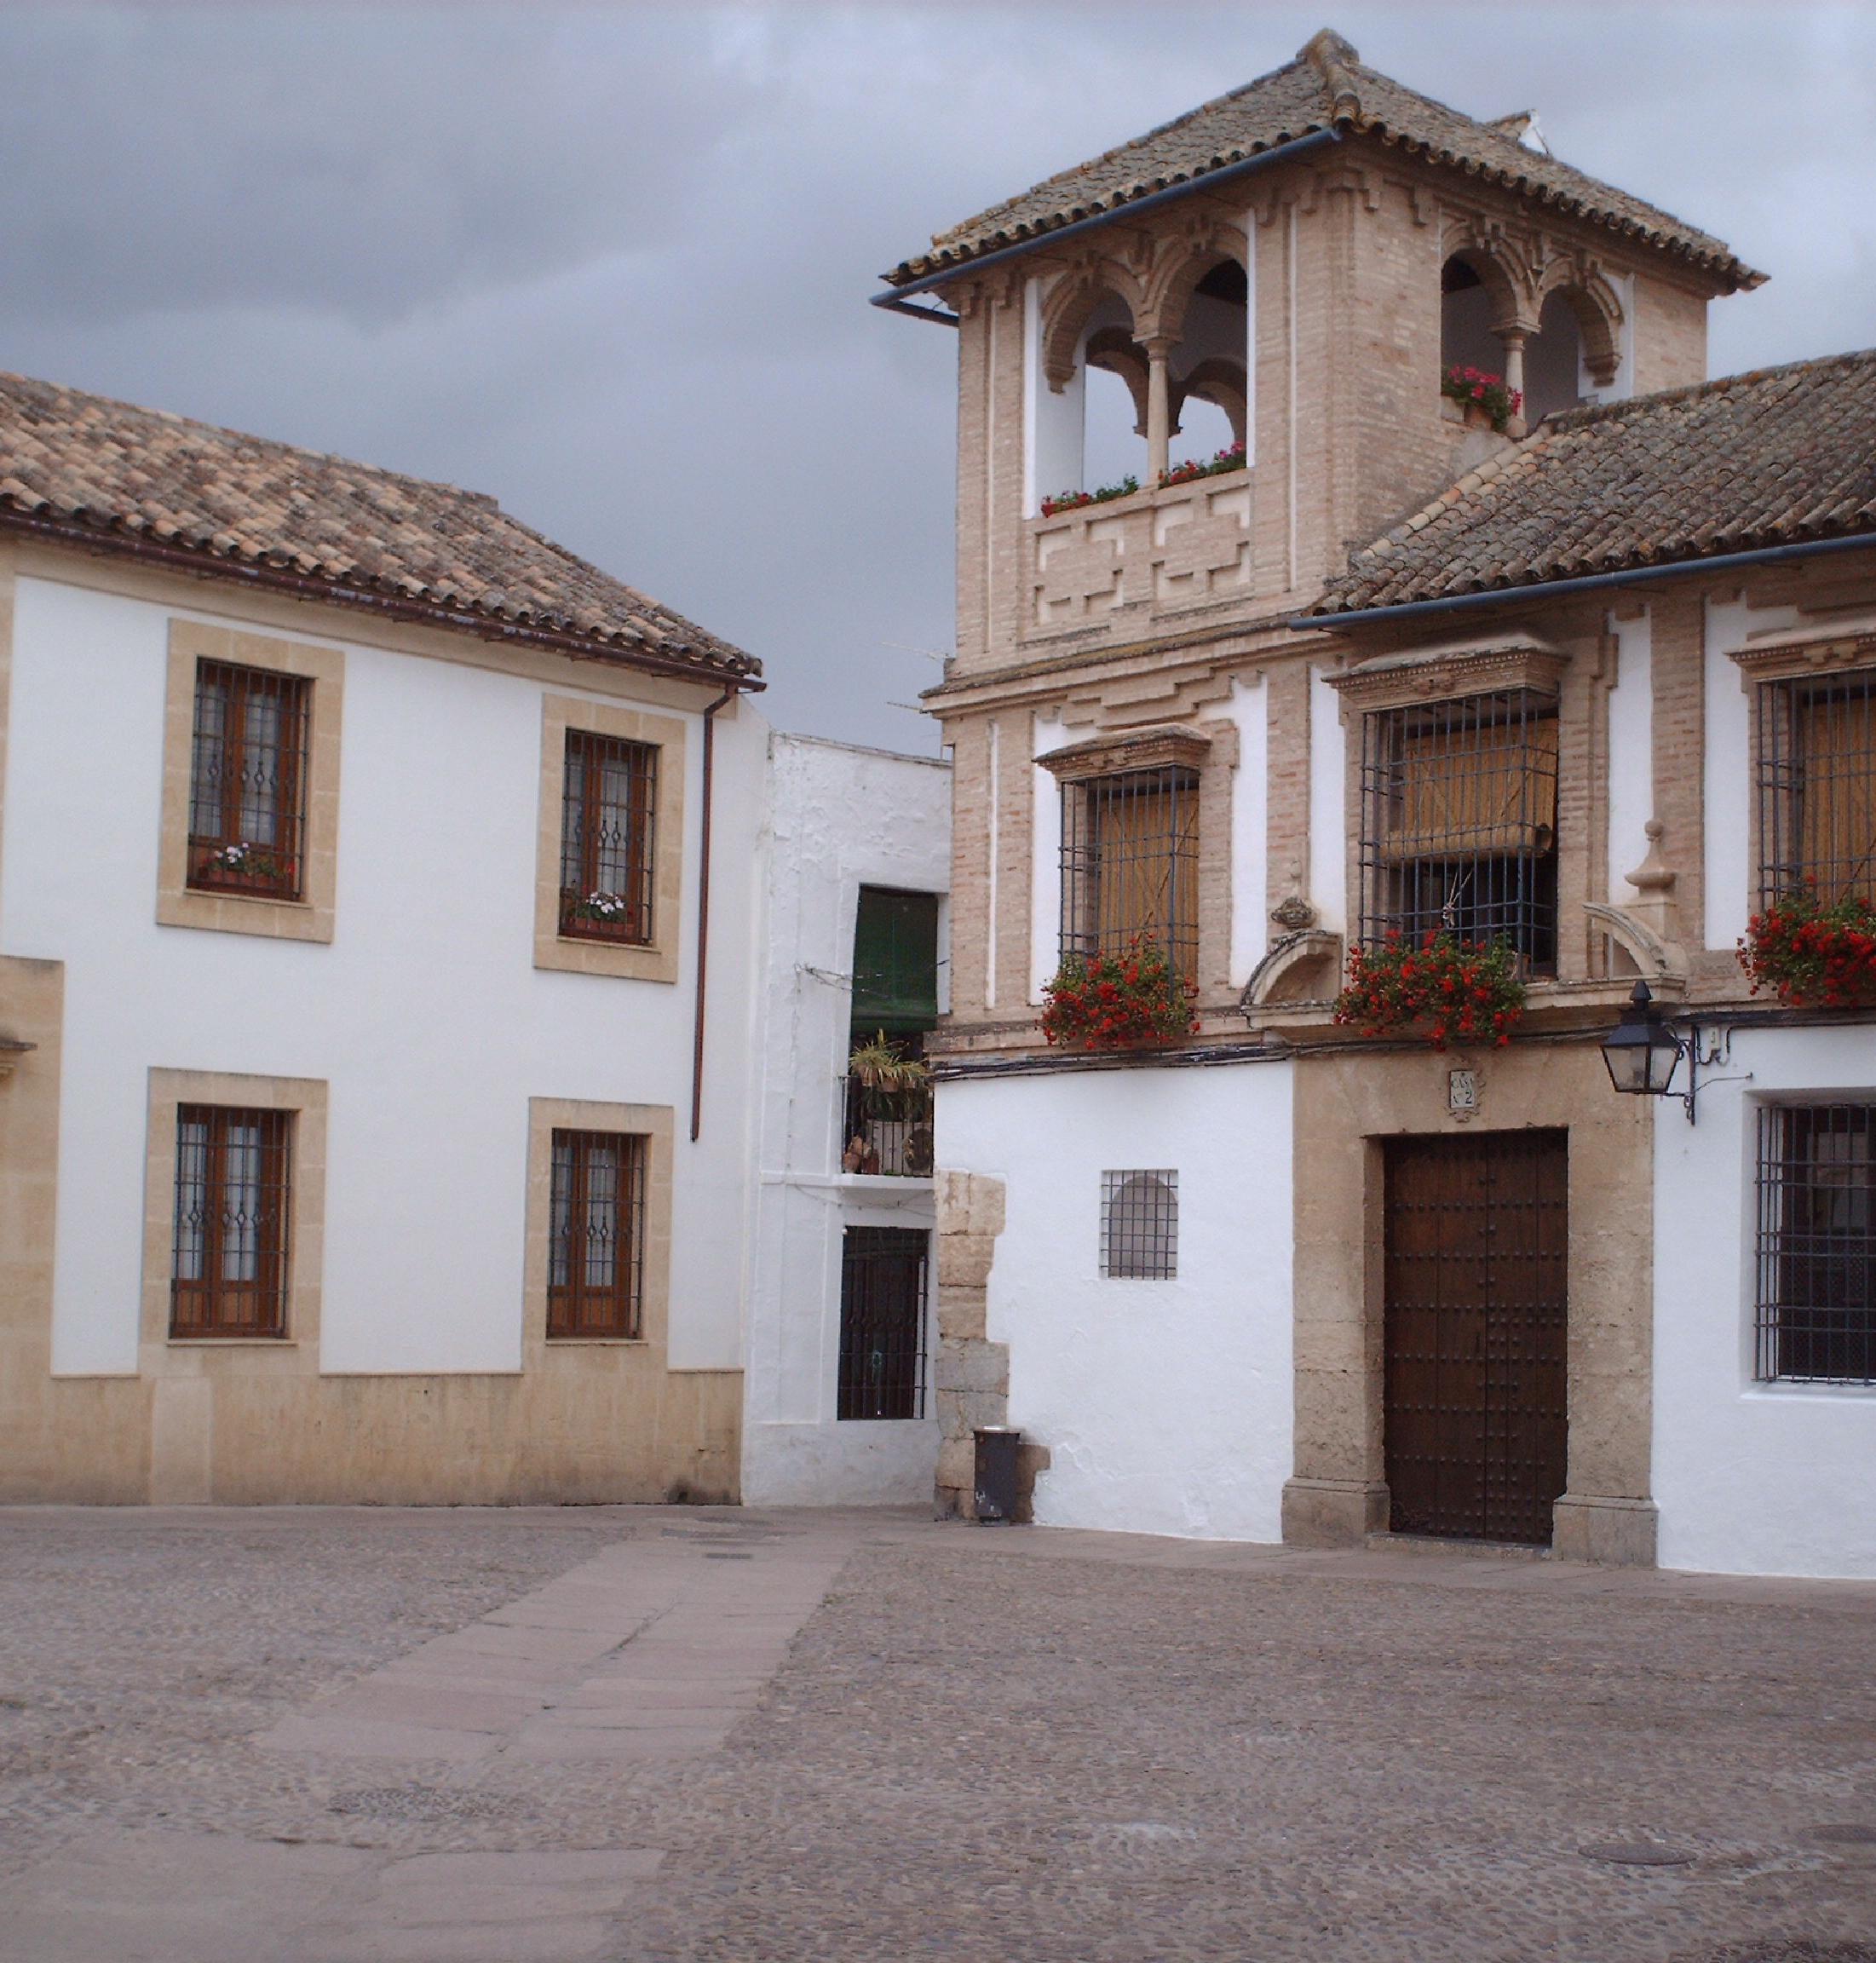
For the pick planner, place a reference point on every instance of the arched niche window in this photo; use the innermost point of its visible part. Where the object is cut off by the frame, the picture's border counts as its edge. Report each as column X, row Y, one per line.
column 1139, row 1226
column 1208, row 372
column 1553, row 360
column 1114, row 401
column 1466, row 314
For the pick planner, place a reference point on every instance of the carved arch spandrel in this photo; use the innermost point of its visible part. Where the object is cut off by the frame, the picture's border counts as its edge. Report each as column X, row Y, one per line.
column 1598, row 309
column 1068, row 303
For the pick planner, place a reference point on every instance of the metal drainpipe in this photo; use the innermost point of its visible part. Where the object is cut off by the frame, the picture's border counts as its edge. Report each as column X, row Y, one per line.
column 703, row 911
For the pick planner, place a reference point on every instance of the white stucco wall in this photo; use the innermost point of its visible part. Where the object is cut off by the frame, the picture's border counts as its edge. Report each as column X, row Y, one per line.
column 1750, row 1477
column 841, row 818
column 1328, row 822
column 1727, row 786
column 1166, row 1406
column 1249, row 710
column 1052, row 421
column 425, row 1015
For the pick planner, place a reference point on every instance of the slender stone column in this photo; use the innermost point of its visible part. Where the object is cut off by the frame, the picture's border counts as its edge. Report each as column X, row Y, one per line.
column 1158, row 408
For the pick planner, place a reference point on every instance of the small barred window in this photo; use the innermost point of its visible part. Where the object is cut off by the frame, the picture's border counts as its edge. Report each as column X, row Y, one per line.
column 1140, row 1225
column 608, row 861
column 228, row 1267
column 595, row 1235
column 247, row 781
column 1816, row 1295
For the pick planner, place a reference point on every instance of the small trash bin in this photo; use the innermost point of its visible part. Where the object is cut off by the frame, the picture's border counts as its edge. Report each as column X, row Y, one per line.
column 997, row 1448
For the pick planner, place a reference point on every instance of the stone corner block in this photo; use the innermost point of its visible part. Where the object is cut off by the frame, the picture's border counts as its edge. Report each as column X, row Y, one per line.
column 1333, row 1512
column 1605, row 1533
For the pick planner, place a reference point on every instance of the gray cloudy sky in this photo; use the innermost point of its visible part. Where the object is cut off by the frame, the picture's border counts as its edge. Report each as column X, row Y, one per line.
column 612, row 265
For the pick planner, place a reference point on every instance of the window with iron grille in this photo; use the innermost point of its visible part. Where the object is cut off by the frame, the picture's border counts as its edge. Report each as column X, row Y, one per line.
column 1140, row 1225
column 247, row 781
column 1130, row 864
column 228, row 1266
column 608, row 864
column 596, row 1261
column 883, row 1322
column 1816, row 1314
column 1817, row 787
column 1459, row 823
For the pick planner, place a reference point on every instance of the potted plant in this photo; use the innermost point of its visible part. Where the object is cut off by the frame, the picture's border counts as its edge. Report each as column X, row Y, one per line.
column 1130, row 1000
column 239, row 860
column 1482, row 397
column 1811, row 954
column 1457, row 991
column 608, row 909
column 888, row 1110
column 1073, row 500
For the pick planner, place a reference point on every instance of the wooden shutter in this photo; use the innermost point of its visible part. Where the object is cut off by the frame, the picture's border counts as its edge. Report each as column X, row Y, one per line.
column 1471, row 788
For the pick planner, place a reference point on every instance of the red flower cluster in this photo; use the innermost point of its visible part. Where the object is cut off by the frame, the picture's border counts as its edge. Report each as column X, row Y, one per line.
column 1123, row 1001
column 1225, row 460
column 1808, row 953
column 1457, row 990
column 1488, row 391
column 1073, row 500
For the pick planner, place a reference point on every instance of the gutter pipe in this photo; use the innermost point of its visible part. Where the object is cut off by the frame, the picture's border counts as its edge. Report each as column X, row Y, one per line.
column 1508, row 595
column 728, row 695
column 894, row 297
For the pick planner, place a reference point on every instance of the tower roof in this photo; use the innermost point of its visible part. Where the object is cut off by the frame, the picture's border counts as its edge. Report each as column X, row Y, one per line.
column 1326, row 89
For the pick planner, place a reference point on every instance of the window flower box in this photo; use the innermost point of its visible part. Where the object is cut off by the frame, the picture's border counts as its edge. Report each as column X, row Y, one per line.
column 1482, row 397
column 1136, row 999
column 1452, row 991
column 1074, row 500
column 1221, row 465
column 1811, row 955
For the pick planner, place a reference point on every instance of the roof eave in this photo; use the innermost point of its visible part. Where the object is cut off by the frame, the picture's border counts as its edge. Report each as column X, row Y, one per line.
column 734, row 668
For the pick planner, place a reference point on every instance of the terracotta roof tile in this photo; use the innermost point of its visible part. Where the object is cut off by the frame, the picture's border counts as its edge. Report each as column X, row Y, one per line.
column 1327, row 88
column 1780, row 456
column 85, row 466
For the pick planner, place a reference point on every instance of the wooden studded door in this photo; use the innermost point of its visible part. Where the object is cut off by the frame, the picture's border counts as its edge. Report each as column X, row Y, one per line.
column 1476, row 1240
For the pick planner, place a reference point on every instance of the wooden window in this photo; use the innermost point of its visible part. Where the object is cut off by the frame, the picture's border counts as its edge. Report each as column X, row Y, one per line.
column 1130, row 864
column 595, row 1235
column 247, row 781
column 1140, row 1225
column 1816, row 1306
column 1458, row 825
column 1817, row 786
column 608, row 799
column 229, row 1270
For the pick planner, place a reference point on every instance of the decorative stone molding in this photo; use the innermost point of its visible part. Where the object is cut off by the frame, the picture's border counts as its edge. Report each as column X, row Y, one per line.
column 1851, row 644
column 1417, row 674
column 1655, row 959
column 1161, row 747
column 1294, row 913
column 1306, row 951
column 11, row 1050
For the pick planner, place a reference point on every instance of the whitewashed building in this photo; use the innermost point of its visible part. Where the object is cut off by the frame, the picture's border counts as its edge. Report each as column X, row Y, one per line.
column 370, row 1131
column 839, row 1400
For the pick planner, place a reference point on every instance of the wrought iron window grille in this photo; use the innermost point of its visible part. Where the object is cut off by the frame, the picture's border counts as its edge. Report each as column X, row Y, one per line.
column 609, row 855
column 247, row 781
column 1140, row 1225
column 232, row 1204
column 887, row 1133
column 596, row 1236
column 1817, row 786
column 1459, row 823
column 1816, row 1316
column 883, row 1288
column 1130, row 864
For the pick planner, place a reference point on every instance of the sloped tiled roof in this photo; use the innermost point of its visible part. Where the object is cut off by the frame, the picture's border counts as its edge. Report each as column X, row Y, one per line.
column 1780, row 456
column 84, row 469
column 1326, row 89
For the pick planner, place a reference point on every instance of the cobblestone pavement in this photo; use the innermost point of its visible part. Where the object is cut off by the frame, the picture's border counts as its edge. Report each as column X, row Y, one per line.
column 1014, row 1745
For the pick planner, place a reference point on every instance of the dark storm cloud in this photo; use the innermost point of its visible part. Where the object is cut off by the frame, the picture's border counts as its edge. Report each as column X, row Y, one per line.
column 613, row 265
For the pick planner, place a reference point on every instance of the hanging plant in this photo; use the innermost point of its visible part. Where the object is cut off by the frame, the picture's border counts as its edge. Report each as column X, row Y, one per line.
column 1457, row 991
column 1811, row 955
column 1126, row 1001
column 1476, row 389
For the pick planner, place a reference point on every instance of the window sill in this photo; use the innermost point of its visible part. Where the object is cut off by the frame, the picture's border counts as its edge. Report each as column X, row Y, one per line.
column 597, row 1342
column 247, row 893
column 231, row 1342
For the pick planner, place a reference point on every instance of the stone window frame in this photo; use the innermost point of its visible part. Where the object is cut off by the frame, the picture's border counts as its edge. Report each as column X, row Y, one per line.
column 1835, row 653
column 657, row 1124
column 161, row 1353
column 655, row 960
column 313, row 915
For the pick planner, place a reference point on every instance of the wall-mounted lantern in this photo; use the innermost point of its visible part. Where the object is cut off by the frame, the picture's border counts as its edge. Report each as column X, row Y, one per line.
column 1642, row 1053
